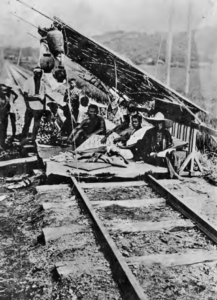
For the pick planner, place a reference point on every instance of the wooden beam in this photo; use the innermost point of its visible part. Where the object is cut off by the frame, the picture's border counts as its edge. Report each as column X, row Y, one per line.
column 204, row 128
column 176, row 259
column 188, row 65
column 18, row 161
column 152, row 226
column 130, row 203
column 54, row 233
column 169, row 42
column 101, row 185
column 52, row 188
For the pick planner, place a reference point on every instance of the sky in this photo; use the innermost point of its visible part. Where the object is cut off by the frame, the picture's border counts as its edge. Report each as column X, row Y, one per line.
column 94, row 17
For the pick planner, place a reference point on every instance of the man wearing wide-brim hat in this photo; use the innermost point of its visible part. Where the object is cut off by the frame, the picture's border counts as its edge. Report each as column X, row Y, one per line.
column 156, row 146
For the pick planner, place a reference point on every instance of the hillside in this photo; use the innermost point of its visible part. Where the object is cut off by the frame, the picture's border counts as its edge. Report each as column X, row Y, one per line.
column 141, row 46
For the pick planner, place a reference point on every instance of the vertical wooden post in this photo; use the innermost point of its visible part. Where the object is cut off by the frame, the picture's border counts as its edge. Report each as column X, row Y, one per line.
column 19, row 57
column 169, row 43
column 182, row 132
column 188, row 65
column 176, row 130
column 194, row 135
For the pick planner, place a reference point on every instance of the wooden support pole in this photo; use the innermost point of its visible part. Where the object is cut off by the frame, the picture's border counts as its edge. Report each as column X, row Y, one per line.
column 188, row 66
column 169, row 43
column 194, row 134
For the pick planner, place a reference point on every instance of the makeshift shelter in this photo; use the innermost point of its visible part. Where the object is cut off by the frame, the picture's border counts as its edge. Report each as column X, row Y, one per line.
column 116, row 72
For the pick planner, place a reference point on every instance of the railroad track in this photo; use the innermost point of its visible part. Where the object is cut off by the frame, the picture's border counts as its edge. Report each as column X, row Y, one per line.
column 19, row 76
column 152, row 236
column 154, row 240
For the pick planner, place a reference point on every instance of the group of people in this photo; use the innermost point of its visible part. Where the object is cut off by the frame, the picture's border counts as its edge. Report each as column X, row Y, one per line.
column 81, row 118
column 82, row 121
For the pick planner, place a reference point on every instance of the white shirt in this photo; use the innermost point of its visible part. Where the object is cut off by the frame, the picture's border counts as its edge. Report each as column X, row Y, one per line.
column 138, row 135
column 82, row 113
column 29, row 88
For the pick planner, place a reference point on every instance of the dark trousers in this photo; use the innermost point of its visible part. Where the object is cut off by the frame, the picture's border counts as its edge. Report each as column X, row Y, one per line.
column 66, row 128
column 3, row 128
column 29, row 115
column 79, row 137
column 13, row 123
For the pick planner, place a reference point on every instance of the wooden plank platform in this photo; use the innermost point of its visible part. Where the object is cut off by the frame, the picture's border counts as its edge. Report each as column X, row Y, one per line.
column 133, row 171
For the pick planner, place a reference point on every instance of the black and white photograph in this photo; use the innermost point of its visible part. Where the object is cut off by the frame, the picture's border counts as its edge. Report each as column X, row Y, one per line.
column 108, row 150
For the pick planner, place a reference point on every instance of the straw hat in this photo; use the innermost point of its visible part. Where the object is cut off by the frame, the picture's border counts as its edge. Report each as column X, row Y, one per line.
column 159, row 117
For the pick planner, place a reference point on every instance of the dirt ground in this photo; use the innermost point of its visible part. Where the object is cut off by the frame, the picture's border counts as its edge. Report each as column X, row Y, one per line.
column 158, row 282
column 121, row 193
column 199, row 195
column 194, row 282
column 28, row 267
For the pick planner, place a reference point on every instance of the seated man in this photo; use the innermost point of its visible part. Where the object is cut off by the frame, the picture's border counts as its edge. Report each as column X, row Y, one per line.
column 118, row 129
column 94, row 124
column 156, row 146
column 131, row 135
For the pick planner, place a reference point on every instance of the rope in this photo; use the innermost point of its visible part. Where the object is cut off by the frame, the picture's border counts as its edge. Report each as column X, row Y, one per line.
column 116, row 76
column 69, row 102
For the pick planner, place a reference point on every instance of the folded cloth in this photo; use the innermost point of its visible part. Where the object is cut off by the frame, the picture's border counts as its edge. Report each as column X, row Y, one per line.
column 95, row 142
column 114, row 160
column 127, row 154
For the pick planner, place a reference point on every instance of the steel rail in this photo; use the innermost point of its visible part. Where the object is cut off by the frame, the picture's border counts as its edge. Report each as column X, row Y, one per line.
column 177, row 203
column 129, row 286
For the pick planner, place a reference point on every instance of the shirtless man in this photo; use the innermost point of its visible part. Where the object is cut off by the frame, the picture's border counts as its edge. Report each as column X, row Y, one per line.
column 94, row 124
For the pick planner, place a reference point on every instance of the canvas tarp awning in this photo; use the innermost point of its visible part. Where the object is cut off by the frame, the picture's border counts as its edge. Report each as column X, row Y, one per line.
column 117, row 72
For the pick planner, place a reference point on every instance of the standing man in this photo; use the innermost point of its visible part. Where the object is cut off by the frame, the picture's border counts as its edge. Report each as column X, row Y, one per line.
column 71, row 99
column 34, row 96
column 4, row 109
column 72, row 94
column 12, row 96
column 94, row 124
